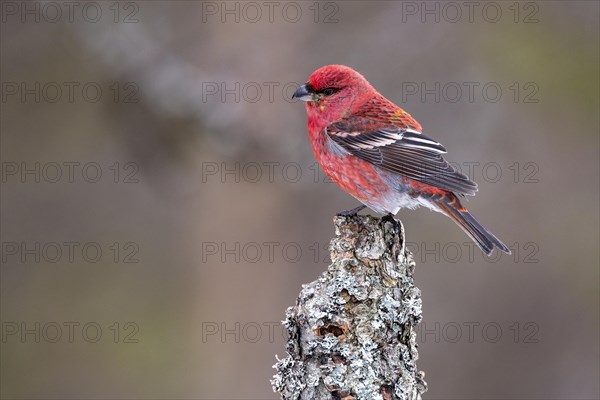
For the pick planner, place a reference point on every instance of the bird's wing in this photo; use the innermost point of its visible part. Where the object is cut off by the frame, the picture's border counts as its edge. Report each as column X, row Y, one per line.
column 403, row 151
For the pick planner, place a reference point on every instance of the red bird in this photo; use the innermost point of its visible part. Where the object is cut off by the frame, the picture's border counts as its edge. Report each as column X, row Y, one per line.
column 375, row 151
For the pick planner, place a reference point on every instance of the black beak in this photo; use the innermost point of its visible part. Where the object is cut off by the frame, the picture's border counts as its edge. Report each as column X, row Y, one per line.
column 304, row 93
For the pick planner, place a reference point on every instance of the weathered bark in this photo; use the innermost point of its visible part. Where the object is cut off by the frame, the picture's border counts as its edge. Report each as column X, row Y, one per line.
column 351, row 333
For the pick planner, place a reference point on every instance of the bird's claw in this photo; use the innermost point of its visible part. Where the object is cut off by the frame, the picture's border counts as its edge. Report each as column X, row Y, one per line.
column 353, row 215
column 352, row 212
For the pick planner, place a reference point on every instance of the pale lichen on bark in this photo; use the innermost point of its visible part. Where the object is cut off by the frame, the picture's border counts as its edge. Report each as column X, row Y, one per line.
column 352, row 331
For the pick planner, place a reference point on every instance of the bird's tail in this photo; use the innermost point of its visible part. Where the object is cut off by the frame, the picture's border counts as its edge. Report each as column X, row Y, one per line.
column 450, row 205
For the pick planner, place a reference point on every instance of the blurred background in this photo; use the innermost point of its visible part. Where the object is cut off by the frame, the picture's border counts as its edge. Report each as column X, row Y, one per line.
column 161, row 206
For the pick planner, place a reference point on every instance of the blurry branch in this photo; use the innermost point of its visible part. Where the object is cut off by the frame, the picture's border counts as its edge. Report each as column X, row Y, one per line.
column 167, row 83
column 351, row 333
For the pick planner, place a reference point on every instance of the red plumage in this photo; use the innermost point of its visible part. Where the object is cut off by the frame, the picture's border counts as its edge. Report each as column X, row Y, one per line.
column 376, row 151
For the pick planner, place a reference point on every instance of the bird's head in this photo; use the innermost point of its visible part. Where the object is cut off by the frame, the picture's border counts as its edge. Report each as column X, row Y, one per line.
column 333, row 91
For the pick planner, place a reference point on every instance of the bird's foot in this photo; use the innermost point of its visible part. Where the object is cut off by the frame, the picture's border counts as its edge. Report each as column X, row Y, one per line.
column 353, row 212
column 352, row 215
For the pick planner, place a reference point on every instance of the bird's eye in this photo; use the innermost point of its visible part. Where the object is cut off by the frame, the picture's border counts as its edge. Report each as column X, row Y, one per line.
column 329, row 91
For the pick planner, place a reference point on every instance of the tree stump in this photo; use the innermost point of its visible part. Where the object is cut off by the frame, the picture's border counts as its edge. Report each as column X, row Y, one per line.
column 352, row 331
